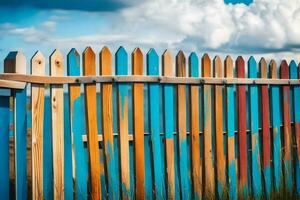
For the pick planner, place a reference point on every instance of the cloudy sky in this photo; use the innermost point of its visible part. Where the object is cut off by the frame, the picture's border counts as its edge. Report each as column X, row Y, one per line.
column 269, row 28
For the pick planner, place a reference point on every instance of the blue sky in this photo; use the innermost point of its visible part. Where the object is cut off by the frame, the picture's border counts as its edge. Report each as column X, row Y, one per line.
column 268, row 28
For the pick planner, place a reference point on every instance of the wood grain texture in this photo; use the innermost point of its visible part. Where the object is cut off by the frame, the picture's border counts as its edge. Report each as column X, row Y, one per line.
column 230, row 121
column 181, row 123
column 287, row 134
column 107, row 123
column 154, row 125
column 209, row 179
column 138, row 125
column 168, row 100
column 57, row 109
column 194, row 129
column 242, row 137
column 89, row 68
column 220, row 155
column 276, row 130
column 77, row 115
column 265, row 123
column 37, row 126
column 122, row 69
column 254, row 124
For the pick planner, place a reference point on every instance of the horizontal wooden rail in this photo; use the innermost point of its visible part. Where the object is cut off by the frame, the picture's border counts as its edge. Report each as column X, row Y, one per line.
column 12, row 84
column 17, row 80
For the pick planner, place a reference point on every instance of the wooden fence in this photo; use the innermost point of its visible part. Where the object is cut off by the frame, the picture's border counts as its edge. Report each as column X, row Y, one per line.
column 220, row 130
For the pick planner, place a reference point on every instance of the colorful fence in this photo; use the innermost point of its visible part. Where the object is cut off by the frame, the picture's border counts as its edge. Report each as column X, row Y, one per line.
column 221, row 130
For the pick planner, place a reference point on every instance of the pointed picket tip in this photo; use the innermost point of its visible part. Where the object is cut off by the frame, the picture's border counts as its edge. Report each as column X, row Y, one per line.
column 228, row 59
column 205, row 57
column 88, row 51
column 121, row 51
column 293, row 63
column 193, row 65
column 105, row 51
column 193, row 56
column 152, row 52
column 217, row 59
column 252, row 60
column 283, row 63
column 167, row 64
column 38, row 58
column 56, row 53
column 15, row 62
column 273, row 69
column 180, row 54
column 38, row 63
column 240, row 62
column 73, row 52
column 167, row 53
column 263, row 61
column 137, row 51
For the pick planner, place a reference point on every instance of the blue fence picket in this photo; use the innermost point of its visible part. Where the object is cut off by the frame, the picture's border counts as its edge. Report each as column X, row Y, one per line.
column 77, row 115
column 296, row 104
column 154, row 116
column 256, row 172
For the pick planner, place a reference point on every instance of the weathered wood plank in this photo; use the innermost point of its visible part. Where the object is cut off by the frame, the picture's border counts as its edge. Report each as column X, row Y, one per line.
column 122, row 69
column 138, row 125
column 265, row 123
column 168, row 99
column 57, row 109
column 220, row 155
column 89, row 68
column 209, row 179
column 37, row 126
column 254, row 124
column 294, row 70
column 231, row 113
column 276, row 132
column 79, row 153
column 154, row 116
column 107, row 123
column 194, row 129
column 242, row 137
column 287, row 134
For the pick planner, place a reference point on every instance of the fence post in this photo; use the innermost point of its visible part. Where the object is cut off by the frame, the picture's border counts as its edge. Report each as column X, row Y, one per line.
column 255, row 140
column 230, row 120
column 276, row 132
column 78, row 128
column 219, row 152
column 89, row 68
column 15, row 62
column 168, row 101
column 286, row 117
column 57, row 109
column 37, row 121
column 209, row 187
column 241, row 101
column 194, row 129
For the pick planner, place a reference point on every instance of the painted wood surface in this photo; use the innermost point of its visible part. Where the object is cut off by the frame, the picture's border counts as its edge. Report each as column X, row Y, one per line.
column 122, row 69
column 107, row 123
column 220, row 155
column 169, row 126
column 230, row 117
column 89, row 68
column 242, row 137
column 154, row 117
column 287, row 134
column 79, row 152
column 196, row 167
column 276, row 131
column 37, row 120
column 57, row 99
column 209, row 179
column 254, row 123
column 15, row 62
column 138, row 125
column 265, row 124
column 295, row 74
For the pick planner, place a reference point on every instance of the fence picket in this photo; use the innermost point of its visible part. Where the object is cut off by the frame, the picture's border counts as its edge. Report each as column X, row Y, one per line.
column 242, row 137
column 209, row 182
column 255, row 140
column 230, row 118
column 220, row 156
column 287, row 134
column 276, row 132
column 77, row 128
column 265, row 123
column 107, row 123
column 168, row 99
column 294, row 70
column 37, row 120
column 57, row 98
column 194, row 129
column 89, row 68
column 138, row 125
column 123, row 96
column 181, row 120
